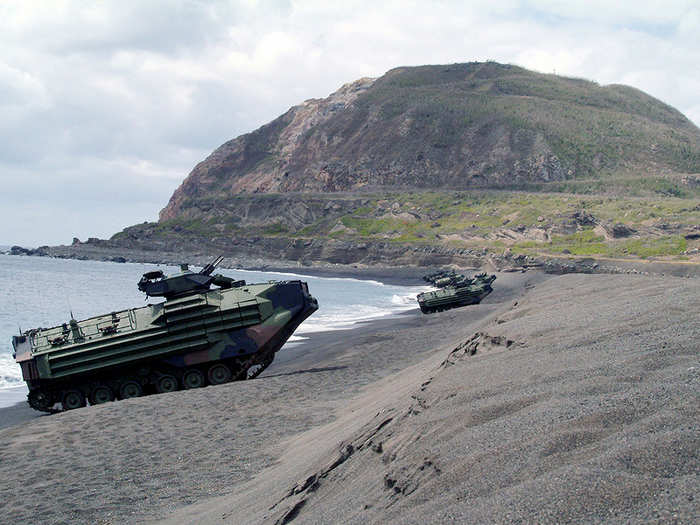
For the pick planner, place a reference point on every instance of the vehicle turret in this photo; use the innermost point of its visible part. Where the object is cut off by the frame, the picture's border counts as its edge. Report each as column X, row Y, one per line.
column 157, row 284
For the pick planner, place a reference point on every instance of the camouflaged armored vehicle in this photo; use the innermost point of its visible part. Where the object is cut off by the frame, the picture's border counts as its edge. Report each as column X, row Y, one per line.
column 199, row 335
column 465, row 292
column 433, row 277
column 453, row 280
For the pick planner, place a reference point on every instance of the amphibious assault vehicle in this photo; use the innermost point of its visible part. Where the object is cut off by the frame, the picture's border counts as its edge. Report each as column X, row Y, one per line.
column 434, row 277
column 199, row 335
column 462, row 292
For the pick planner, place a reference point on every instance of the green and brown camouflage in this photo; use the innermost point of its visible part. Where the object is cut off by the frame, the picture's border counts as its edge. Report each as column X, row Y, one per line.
column 199, row 335
column 464, row 291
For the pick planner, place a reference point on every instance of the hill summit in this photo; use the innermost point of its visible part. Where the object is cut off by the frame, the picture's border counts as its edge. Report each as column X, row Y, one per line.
column 465, row 164
column 447, row 127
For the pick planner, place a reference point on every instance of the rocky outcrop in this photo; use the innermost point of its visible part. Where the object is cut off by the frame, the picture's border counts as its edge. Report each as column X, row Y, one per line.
column 390, row 262
column 372, row 176
column 41, row 251
column 451, row 127
column 249, row 158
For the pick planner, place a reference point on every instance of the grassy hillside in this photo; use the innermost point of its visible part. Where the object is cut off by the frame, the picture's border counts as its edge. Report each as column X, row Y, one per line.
column 483, row 157
column 483, row 221
column 588, row 127
column 458, row 127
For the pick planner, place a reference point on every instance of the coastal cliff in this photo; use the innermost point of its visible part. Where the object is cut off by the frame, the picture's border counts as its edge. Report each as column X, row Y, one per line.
column 446, row 164
column 458, row 164
column 461, row 126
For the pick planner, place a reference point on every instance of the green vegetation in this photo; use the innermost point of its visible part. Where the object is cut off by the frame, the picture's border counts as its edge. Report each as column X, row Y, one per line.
column 614, row 185
column 587, row 126
column 560, row 224
column 587, row 243
column 474, row 219
column 548, row 164
column 667, row 245
column 276, row 228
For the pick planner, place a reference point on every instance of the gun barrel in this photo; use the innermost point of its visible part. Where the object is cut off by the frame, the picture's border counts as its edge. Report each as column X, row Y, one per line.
column 212, row 265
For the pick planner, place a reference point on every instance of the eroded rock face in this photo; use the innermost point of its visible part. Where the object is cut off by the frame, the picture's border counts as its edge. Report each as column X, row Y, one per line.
column 461, row 126
column 583, row 218
column 618, row 230
column 243, row 165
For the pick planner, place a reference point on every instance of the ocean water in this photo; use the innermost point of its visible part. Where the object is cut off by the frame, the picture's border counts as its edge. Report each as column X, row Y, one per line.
column 40, row 291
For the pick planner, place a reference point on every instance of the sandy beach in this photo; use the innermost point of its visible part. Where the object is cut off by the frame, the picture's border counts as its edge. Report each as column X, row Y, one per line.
column 559, row 399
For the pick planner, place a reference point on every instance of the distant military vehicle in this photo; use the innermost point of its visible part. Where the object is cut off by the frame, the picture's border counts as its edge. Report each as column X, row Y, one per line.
column 433, row 277
column 452, row 280
column 199, row 335
column 463, row 292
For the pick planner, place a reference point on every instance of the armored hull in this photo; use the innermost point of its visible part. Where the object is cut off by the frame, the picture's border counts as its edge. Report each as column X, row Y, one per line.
column 195, row 337
column 455, row 296
column 433, row 277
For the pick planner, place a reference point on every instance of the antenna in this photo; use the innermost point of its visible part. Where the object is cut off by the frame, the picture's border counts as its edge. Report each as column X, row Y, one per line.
column 14, row 301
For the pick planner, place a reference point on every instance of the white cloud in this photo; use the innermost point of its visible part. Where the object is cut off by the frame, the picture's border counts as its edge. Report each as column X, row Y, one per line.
column 141, row 91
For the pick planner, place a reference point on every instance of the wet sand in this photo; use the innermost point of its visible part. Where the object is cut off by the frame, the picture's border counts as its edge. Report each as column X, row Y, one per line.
column 579, row 403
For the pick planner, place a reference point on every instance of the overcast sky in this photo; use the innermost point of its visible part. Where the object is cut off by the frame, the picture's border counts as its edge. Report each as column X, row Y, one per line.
column 105, row 106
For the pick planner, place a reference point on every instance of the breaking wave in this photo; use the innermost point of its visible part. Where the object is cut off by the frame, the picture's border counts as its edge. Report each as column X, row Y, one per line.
column 10, row 373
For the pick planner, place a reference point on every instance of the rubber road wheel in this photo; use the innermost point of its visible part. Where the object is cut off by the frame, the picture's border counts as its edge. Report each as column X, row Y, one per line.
column 193, row 378
column 219, row 374
column 166, row 383
column 130, row 388
column 73, row 399
column 101, row 394
column 40, row 400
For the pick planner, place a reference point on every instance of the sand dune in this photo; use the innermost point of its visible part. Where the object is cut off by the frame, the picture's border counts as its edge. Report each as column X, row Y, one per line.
column 572, row 398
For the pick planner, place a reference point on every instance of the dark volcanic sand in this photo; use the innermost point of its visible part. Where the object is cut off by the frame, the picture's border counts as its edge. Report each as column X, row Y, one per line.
column 589, row 415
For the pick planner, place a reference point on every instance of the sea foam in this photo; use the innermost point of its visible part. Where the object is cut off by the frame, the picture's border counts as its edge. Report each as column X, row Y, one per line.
column 10, row 373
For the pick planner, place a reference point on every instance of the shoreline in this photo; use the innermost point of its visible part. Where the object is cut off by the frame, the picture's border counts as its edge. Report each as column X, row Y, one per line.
column 10, row 395
column 408, row 270
column 398, row 276
column 571, row 404
column 393, row 275
column 18, row 412
column 14, row 409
